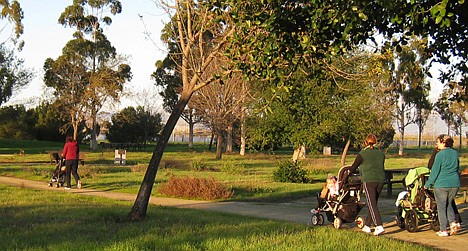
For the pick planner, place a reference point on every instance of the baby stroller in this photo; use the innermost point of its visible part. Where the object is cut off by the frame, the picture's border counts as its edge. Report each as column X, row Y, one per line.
column 345, row 207
column 416, row 204
column 59, row 173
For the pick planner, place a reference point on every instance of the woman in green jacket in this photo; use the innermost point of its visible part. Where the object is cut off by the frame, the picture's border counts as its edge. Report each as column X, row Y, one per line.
column 371, row 167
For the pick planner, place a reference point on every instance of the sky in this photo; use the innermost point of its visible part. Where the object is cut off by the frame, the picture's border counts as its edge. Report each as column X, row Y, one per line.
column 44, row 38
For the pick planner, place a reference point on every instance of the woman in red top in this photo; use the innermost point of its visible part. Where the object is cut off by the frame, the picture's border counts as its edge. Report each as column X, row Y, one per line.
column 71, row 153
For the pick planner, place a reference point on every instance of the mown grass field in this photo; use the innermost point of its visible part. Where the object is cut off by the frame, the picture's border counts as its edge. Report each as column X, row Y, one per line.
column 44, row 220
column 48, row 220
column 250, row 176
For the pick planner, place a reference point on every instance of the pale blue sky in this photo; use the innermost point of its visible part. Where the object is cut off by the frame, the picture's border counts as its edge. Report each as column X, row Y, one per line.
column 45, row 38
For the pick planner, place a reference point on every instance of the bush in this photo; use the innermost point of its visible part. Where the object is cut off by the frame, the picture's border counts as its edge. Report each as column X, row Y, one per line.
column 198, row 165
column 208, row 189
column 233, row 167
column 290, row 171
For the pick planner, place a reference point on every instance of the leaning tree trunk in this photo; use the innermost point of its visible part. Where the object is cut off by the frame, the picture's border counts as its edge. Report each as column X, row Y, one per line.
column 211, row 141
column 345, row 152
column 141, row 202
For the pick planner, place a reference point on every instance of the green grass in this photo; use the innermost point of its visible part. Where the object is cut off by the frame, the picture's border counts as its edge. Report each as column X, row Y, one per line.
column 249, row 176
column 45, row 220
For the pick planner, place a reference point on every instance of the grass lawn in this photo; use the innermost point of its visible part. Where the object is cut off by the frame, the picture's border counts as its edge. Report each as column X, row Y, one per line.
column 45, row 220
column 249, row 176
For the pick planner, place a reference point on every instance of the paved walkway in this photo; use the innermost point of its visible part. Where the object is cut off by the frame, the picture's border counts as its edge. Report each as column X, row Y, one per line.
column 297, row 211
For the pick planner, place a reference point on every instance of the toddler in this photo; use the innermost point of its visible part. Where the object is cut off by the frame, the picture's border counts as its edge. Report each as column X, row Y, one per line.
column 329, row 191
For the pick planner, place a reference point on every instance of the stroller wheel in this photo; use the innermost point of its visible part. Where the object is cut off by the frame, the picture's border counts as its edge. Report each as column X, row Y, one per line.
column 400, row 221
column 321, row 220
column 411, row 221
column 317, row 219
column 337, row 222
column 360, row 222
column 435, row 224
column 50, row 184
column 58, row 185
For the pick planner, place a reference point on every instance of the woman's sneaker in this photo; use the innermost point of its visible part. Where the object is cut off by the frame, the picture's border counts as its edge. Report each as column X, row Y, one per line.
column 454, row 228
column 379, row 230
column 443, row 233
column 366, row 229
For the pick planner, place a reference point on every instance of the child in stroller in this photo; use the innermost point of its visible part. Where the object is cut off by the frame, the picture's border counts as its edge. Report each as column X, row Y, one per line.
column 343, row 206
column 416, row 204
column 329, row 191
column 59, row 173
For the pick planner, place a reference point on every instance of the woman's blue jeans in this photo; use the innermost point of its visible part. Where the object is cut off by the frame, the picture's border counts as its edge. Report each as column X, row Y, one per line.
column 444, row 197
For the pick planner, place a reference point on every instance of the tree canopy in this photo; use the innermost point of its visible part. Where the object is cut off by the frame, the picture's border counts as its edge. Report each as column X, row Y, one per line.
column 274, row 37
column 134, row 125
column 89, row 71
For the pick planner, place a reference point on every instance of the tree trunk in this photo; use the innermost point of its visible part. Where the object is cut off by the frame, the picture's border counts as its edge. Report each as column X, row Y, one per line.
column 461, row 138
column 345, row 152
column 402, row 141
column 229, row 142
column 93, row 141
column 219, row 145
column 75, row 129
column 211, row 141
column 141, row 202
column 419, row 137
column 242, row 133
column 299, row 153
column 191, row 125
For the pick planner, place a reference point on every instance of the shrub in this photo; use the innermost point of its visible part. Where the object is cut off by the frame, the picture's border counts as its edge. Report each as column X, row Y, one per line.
column 233, row 167
column 198, row 165
column 290, row 171
column 208, row 189
column 175, row 164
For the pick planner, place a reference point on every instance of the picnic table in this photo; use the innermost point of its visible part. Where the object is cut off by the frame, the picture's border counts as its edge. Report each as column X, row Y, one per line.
column 390, row 178
column 134, row 146
column 55, row 156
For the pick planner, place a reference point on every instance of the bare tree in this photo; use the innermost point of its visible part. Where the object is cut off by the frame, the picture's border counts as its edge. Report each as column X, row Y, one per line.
column 220, row 105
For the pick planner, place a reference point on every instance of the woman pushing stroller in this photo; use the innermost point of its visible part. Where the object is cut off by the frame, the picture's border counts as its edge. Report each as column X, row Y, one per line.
column 445, row 180
column 371, row 167
column 71, row 153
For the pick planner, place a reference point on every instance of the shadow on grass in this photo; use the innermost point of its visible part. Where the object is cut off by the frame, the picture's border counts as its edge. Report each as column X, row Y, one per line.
column 44, row 220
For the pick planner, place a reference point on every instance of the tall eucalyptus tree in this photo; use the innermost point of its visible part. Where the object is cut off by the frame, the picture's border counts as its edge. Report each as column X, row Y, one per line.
column 89, row 64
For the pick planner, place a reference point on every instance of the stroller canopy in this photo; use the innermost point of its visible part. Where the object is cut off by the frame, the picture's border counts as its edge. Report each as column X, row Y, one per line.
column 413, row 177
column 413, row 174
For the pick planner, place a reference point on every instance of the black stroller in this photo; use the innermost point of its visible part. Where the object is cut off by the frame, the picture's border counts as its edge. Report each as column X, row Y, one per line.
column 346, row 206
column 59, row 173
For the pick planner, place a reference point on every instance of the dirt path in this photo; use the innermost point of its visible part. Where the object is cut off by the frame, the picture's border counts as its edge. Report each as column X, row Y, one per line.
column 298, row 211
